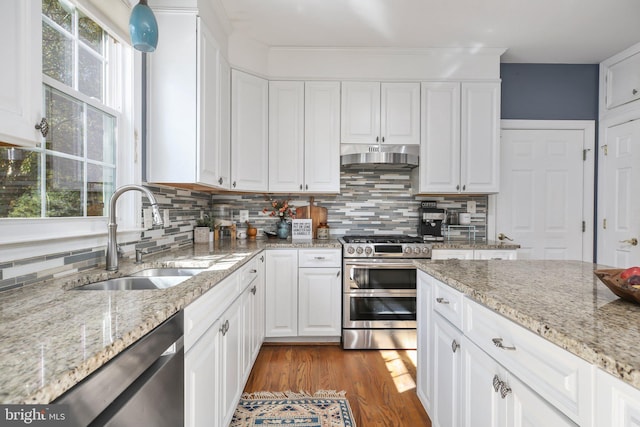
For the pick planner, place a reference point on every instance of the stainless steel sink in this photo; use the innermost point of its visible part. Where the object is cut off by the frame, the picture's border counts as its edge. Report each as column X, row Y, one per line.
column 134, row 283
column 161, row 272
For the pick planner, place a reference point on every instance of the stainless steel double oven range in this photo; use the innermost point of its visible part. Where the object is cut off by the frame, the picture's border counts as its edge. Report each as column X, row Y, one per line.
column 379, row 291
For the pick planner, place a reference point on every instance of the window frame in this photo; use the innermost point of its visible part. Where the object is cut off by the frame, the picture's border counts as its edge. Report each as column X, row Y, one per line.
column 22, row 238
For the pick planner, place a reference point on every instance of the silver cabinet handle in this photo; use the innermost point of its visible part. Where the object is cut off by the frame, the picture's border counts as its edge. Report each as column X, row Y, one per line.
column 442, row 301
column 234, row 184
column 635, row 91
column 262, row 258
column 454, row 346
column 496, row 382
column 220, row 181
column 253, row 271
column 253, row 290
column 464, row 187
column 338, row 273
column 43, row 127
column 319, row 257
column 225, row 328
column 377, row 138
column 301, row 186
column 504, row 390
column 306, row 186
column 458, row 187
column 498, row 343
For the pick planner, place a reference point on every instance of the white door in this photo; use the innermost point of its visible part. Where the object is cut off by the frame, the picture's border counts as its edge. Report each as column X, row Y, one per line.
column 619, row 206
column 546, row 193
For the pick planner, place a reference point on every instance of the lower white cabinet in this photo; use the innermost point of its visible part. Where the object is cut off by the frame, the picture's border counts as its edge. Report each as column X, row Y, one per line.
column 482, row 254
column 475, row 384
column 223, row 334
column 303, row 293
column 618, row 404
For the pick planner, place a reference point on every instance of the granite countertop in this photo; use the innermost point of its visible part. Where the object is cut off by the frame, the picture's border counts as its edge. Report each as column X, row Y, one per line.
column 469, row 244
column 52, row 337
column 562, row 301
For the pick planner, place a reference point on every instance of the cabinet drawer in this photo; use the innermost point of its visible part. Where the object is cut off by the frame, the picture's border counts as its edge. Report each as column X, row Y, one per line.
column 448, row 302
column 203, row 312
column 494, row 254
column 452, row 254
column 319, row 258
column 248, row 272
column 558, row 376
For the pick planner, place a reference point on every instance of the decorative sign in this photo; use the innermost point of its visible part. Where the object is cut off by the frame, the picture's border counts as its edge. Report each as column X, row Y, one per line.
column 301, row 229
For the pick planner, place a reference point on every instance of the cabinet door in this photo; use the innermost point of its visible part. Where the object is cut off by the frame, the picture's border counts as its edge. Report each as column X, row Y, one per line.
column 259, row 306
column 249, row 132
column 208, row 100
column 440, row 147
column 623, row 81
column 247, row 312
column 618, row 403
column 424, row 365
column 231, row 363
column 202, row 382
column 483, row 405
column 446, row 374
column 281, row 316
column 224, row 113
column 322, row 137
column 319, row 302
column 360, row 122
column 400, row 113
column 286, row 136
column 480, row 138
column 527, row 408
column 21, row 71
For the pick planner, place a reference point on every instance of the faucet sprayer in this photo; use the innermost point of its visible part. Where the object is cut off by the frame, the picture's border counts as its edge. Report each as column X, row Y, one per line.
column 112, row 245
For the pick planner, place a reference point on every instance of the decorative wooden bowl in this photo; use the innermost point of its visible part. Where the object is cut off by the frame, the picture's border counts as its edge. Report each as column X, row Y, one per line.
column 611, row 278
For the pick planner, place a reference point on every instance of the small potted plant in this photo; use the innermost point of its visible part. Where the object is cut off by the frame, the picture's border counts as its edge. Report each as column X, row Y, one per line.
column 282, row 210
column 202, row 230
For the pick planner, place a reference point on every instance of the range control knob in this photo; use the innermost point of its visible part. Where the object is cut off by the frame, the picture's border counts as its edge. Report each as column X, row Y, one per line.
column 407, row 250
column 350, row 250
column 425, row 250
column 359, row 250
column 368, row 250
column 416, row 250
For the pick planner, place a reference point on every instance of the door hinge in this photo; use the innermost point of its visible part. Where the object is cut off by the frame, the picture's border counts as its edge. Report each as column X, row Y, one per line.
column 605, row 149
column 584, row 154
column 584, row 226
column 604, row 223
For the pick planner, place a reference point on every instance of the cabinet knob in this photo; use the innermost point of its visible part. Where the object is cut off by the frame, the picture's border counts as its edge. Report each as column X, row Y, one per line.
column 306, row 186
column 455, row 346
column 220, row 181
column 253, row 290
column 504, row 390
column 338, row 273
column 234, row 184
column 377, row 139
column 496, row 382
column 253, row 271
column 262, row 258
column 635, row 91
column 458, row 187
column 442, row 301
column 464, row 187
column 43, row 127
column 383, row 139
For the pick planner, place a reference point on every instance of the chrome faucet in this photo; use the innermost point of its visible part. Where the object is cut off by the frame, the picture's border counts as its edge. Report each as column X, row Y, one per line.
column 112, row 244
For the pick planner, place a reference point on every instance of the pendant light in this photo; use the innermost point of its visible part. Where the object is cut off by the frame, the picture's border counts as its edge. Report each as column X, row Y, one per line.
column 143, row 28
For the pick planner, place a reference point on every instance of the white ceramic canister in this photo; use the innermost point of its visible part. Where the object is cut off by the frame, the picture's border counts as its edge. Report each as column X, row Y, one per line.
column 464, row 218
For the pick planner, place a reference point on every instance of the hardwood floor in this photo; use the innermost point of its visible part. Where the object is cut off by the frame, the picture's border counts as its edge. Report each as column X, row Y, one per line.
column 380, row 384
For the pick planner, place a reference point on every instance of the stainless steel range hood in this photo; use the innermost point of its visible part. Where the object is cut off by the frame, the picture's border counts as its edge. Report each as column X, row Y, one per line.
column 379, row 156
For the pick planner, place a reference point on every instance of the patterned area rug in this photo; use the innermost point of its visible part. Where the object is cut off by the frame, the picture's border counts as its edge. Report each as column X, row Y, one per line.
column 325, row 408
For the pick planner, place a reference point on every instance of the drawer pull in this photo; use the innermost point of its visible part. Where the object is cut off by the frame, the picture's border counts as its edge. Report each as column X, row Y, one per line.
column 319, row 257
column 504, row 390
column 441, row 300
column 253, row 290
column 454, row 346
column 225, row 328
column 496, row 383
column 253, row 271
column 498, row 343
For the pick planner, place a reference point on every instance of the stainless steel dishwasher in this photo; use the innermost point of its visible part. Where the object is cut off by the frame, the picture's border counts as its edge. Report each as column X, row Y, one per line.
column 142, row 386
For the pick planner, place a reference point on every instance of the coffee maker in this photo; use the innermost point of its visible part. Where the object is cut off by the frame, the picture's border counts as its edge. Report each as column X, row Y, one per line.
column 430, row 222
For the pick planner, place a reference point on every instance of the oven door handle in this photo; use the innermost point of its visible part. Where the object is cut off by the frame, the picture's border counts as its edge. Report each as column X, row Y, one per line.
column 386, row 264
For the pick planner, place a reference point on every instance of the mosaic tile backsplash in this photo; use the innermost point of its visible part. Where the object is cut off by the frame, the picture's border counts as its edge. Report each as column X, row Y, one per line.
column 371, row 201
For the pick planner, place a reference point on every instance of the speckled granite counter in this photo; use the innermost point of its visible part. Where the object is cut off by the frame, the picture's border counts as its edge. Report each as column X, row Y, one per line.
column 51, row 336
column 561, row 301
column 466, row 244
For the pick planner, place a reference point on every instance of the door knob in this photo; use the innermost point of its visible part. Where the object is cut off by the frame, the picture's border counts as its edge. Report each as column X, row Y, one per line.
column 503, row 236
column 633, row 241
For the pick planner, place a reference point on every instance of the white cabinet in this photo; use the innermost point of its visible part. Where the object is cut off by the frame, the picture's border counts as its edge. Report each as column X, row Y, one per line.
column 322, row 137
column 21, row 72
column 374, row 112
column 618, row 404
column 304, row 138
column 446, row 373
column 249, row 132
column 303, row 293
column 188, row 128
column 622, row 79
column 281, row 317
column 424, row 317
column 460, row 147
column 452, row 254
column 224, row 330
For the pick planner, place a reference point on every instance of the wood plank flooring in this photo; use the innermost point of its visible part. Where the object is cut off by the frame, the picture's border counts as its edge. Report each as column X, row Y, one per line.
column 380, row 384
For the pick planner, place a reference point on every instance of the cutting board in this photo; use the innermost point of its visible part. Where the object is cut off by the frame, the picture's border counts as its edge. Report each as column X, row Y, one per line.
column 317, row 214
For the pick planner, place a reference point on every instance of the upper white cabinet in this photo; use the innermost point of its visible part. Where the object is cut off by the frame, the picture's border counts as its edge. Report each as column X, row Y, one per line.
column 304, row 136
column 622, row 80
column 460, row 149
column 188, row 128
column 21, row 72
column 249, row 132
column 387, row 113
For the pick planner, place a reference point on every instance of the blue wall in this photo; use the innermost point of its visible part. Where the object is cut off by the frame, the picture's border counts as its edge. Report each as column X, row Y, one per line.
column 549, row 91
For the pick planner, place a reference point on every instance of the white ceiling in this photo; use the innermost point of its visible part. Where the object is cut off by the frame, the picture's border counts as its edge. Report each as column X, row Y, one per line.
column 542, row 31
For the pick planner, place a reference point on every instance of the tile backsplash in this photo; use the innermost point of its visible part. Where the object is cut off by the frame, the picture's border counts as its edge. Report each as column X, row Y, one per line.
column 371, row 201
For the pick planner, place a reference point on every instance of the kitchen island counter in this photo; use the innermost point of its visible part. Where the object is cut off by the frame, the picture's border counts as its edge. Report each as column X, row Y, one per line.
column 562, row 301
column 52, row 337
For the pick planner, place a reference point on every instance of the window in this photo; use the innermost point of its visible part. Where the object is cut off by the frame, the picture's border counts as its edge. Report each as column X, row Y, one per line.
column 73, row 174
